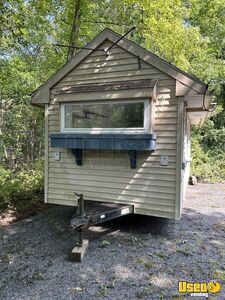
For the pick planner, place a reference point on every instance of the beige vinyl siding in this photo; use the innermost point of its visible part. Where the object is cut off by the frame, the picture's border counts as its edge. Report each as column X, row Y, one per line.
column 106, row 175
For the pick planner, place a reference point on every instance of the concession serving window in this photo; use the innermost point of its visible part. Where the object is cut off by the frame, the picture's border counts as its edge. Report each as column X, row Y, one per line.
column 102, row 117
column 113, row 124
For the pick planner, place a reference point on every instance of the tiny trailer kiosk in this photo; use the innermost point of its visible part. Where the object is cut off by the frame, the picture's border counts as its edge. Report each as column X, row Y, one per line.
column 117, row 127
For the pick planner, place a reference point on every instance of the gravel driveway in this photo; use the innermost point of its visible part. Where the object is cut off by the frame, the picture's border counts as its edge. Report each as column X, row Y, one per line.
column 145, row 257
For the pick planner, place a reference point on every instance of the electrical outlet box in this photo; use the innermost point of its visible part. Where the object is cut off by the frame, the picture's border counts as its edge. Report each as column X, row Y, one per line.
column 164, row 160
column 56, row 156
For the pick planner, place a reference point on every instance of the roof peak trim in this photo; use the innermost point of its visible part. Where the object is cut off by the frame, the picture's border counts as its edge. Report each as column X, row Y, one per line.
column 42, row 94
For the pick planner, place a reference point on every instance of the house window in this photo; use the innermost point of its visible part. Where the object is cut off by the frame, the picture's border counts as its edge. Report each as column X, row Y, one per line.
column 110, row 116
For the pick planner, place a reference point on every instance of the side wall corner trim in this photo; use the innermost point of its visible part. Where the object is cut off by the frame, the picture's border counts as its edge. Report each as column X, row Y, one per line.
column 179, row 175
column 46, row 155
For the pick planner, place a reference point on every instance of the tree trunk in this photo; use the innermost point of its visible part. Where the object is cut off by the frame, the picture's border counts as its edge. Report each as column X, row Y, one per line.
column 75, row 29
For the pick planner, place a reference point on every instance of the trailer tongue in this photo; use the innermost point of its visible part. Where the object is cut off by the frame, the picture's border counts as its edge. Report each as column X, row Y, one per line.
column 91, row 213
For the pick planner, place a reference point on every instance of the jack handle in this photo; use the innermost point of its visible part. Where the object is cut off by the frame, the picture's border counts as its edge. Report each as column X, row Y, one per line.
column 81, row 196
column 80, row 210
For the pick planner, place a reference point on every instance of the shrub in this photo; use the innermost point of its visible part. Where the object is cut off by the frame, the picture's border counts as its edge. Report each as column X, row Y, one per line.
column 211, row 168
column 208, row 153
column 22, row 189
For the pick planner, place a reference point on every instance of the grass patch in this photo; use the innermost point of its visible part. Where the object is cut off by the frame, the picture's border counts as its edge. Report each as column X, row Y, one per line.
column 219, row 275
column 148, row 264
column 185, row 252
column 104, row 244
column 140, row 260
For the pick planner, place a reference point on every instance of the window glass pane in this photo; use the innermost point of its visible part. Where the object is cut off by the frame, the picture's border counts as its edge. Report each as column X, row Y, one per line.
column 112, row 115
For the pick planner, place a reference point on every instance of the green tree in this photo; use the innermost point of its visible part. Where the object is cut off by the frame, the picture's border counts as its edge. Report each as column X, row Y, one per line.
column 187, row 33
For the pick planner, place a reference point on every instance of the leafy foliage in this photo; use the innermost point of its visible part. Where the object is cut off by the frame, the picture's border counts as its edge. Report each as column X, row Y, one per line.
column 208, row 145
column 22, row 190
column 189, row 34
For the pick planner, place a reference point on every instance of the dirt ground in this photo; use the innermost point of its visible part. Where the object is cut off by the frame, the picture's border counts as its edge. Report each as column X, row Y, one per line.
column 144, row 258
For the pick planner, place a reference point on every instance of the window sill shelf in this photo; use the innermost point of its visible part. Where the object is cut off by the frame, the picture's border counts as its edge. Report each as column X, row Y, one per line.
column 130, row 142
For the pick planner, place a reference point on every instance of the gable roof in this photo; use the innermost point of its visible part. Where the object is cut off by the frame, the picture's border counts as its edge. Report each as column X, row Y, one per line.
column 41, row 95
